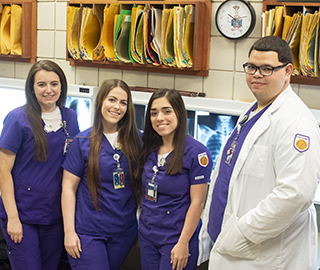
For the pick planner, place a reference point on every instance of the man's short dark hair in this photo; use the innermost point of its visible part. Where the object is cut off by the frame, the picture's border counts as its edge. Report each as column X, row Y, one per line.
column 275, row 44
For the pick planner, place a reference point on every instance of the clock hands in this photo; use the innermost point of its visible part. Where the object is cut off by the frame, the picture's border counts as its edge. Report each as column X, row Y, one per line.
column 237, row 17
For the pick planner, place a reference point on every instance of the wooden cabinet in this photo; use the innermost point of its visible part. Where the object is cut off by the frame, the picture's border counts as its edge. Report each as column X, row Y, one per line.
column 201, row 41
column 295, row 7
column 28, row 34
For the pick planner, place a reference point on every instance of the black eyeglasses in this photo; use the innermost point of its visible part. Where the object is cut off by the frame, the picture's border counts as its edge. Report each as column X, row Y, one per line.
column 264, row 70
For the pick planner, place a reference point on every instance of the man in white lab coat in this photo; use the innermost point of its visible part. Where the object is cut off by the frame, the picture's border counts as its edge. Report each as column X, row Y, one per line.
column 259, row 212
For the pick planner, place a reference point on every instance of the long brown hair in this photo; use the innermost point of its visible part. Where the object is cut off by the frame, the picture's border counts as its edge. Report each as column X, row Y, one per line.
column 33, row 108
column 152, row 140
column 128, row 137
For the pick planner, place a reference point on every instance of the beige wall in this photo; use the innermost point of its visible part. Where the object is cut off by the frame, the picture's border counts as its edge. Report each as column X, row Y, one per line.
column 226, row 79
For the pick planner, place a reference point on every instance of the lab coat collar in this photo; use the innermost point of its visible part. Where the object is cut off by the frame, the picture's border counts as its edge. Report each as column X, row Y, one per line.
column 277, row 103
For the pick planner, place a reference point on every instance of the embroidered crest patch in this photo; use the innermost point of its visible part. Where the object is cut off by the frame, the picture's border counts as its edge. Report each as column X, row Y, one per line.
column 203, row 159
column 301, row 142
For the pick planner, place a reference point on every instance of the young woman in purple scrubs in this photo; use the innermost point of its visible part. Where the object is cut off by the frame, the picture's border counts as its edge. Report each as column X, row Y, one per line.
column 33, row 144
column 98, row 205
column 174, row 169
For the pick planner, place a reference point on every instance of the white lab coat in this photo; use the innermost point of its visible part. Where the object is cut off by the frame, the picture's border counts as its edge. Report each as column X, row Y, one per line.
column 270, row 221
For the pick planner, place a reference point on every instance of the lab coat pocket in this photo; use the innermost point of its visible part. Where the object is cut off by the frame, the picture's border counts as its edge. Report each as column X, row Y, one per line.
column 231, row 241
column 256, row 162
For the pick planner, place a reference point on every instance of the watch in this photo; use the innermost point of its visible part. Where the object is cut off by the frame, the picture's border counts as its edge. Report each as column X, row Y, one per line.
column 235, row 19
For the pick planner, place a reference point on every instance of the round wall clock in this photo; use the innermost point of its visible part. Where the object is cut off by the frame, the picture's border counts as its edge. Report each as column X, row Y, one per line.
column 235, row 19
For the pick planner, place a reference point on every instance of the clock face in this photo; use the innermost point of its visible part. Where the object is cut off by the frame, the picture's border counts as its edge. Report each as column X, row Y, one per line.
column 235, row 19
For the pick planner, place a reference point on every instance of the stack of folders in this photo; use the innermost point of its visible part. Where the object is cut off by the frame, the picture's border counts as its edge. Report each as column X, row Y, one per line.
column 272, row 22
column 300, row 30
column 83, row 34
column 140, row 34
column 291, row 34
column 309, row 46
column 10, row 29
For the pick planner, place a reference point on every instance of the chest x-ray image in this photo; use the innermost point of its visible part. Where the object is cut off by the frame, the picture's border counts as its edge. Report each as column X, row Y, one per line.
column 213, row 131
column 82, row 106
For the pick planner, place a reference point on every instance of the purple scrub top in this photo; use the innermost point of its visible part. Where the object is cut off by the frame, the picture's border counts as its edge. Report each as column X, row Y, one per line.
column 37, row 184
column 221, row 187
column 161, row 222
column 117, row 207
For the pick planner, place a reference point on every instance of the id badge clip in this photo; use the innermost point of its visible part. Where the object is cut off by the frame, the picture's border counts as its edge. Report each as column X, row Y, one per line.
column 118, row 175
column 152, row 187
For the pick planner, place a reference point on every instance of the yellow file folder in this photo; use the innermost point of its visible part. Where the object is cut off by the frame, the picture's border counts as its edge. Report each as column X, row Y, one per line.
column 309, row 47
column 89, row 33
column 15, row 30
column 189, row 34
column 107, row 35
column 291, row 34
column 73, row 28
column 135, row 20
column 169, row 41
column 5, row 30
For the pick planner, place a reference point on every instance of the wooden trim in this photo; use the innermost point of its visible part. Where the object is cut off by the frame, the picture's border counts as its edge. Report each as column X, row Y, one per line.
column 151, row 90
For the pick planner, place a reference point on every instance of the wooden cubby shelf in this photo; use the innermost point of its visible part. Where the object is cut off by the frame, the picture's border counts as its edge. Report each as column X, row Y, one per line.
column 269, row 4
column 28, row 32
column 201, row 41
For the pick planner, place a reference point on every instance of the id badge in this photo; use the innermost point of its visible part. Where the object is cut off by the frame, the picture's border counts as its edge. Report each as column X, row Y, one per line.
column 230, row 152
column 152, row 190
column 118, row 179
column 66, row 145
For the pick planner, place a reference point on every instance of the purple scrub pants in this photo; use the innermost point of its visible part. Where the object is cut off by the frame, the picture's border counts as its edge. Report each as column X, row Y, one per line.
column 41, row 247
column 102, row 253
column 158, row 257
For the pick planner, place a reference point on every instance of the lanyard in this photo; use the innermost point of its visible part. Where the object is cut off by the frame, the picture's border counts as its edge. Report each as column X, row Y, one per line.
column 64, row 127
column 155, row 170
column 240, row 125
column 232, row 148
column 116, row 157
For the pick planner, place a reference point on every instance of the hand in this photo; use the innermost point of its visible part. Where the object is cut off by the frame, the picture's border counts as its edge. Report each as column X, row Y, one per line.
column 72, row 244
column 14, row 229
column 179, row 256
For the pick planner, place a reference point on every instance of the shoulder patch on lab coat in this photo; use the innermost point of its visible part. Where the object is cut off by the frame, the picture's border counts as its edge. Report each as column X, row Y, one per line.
column 203, row 159
column 301, row 142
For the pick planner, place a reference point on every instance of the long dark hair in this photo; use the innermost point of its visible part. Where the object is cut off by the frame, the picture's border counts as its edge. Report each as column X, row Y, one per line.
column 152, row 140
column 33, row 108
column 128, row 137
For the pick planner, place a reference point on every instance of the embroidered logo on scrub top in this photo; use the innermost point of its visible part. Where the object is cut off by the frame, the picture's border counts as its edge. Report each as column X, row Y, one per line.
column 301, row 142
column 203, row 159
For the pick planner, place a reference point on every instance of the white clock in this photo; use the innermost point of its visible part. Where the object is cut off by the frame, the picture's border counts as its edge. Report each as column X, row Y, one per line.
column 235, row 19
